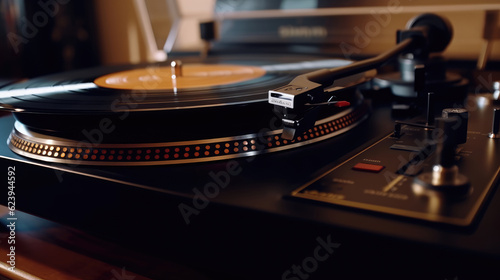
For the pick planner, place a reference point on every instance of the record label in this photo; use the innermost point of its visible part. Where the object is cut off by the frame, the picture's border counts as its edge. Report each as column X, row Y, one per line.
column 192, row 76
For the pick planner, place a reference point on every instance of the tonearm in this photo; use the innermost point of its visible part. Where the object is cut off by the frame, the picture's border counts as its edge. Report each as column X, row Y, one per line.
column 298, row 102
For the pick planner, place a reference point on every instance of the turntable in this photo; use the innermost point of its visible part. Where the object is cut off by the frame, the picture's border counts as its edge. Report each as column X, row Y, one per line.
column 152, row 115
column 266, row 152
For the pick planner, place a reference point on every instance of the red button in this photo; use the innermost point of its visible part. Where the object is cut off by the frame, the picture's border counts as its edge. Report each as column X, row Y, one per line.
column 368, row 167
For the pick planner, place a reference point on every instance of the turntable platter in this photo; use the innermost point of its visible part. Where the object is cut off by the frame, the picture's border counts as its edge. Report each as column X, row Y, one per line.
column 143, row 115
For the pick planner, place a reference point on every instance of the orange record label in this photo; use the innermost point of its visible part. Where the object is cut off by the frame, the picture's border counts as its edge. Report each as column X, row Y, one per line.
column 190, row 76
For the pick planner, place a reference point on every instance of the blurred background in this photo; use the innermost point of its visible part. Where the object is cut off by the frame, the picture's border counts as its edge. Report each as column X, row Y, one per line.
column 48, row 36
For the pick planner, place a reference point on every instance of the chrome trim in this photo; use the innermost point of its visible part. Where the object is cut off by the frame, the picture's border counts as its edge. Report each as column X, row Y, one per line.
column 47, row 148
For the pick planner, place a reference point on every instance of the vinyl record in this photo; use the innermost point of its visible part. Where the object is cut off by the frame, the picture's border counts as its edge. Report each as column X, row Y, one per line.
column 162, row 114
column 206, row 83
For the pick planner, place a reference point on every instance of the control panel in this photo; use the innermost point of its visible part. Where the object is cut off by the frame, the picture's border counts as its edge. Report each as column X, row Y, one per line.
column 438, row 169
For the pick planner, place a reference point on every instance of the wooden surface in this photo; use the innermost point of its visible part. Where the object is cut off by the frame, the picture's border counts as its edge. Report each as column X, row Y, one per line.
column 47, row 250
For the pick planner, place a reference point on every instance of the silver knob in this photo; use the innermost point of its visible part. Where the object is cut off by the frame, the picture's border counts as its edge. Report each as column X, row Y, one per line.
column 496, row 90
column 496, row 124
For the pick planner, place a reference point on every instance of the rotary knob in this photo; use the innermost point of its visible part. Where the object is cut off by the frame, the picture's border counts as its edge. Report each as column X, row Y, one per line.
column 445, row 176
column 462, row 118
